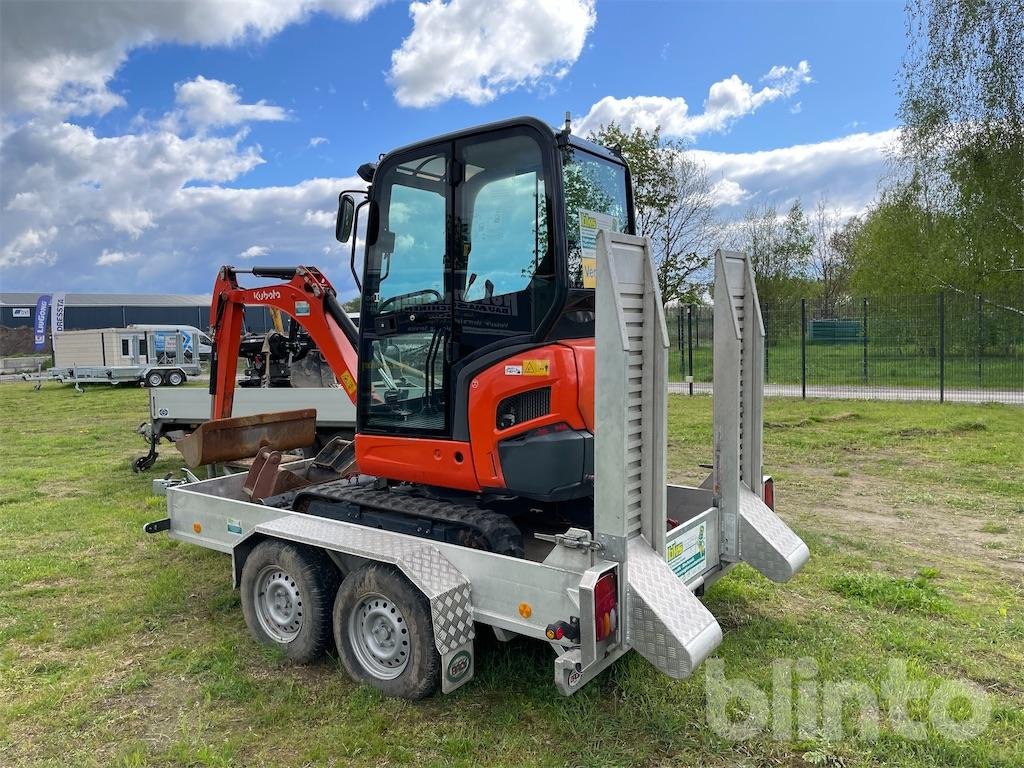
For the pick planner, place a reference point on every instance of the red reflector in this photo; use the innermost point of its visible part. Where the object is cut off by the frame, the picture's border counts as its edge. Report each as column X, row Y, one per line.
column 768, row 492
column 606, row 600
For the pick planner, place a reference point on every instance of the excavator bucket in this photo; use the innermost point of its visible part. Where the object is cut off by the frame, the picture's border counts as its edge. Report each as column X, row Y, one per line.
column 242, row 437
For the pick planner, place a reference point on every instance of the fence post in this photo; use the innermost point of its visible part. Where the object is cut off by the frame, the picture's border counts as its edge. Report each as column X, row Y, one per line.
column 865, row 344
column 803, row 348
column 679, row 339
column 942, row 347
column 977, row 352
column 689, row 343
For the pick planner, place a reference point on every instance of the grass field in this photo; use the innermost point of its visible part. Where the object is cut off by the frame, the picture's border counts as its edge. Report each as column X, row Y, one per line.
column 843, row 365
column 118, row 648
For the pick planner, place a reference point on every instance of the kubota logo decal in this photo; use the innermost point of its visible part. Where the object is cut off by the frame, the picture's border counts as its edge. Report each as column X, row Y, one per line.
column 459, row 666
column 266, row 295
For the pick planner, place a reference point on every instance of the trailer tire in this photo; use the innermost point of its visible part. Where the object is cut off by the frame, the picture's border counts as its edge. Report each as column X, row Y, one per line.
column 154, row 379
column 384, row 633
column 175, row 378
column 287, row 595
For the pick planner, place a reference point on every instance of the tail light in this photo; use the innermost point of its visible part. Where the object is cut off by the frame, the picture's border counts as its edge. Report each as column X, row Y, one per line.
column 768, row 491
column 606, row 604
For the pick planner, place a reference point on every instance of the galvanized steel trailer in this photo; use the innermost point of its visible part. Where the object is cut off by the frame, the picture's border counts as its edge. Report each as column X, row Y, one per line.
column 630, row 583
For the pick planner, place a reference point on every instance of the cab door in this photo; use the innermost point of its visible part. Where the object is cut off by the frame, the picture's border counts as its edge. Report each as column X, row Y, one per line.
column 406, row 318
column 505, row 271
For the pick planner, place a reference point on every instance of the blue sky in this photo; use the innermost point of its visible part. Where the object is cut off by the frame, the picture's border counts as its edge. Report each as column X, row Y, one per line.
column 143, row 144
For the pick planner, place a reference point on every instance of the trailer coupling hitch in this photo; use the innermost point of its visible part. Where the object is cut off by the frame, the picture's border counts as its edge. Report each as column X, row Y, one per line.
column 574, row 538
column 169, row 481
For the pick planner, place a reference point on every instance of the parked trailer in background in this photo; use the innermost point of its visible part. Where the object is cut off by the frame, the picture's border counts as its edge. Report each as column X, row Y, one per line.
column 152, row 357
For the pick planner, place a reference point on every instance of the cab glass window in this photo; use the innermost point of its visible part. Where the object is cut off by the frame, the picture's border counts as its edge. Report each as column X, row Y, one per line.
column 506, row 274
column 592, row 185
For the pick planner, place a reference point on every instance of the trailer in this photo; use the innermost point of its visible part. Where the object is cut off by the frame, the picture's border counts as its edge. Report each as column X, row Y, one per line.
column 403, row 609
column 151, row 357
column 176, row 413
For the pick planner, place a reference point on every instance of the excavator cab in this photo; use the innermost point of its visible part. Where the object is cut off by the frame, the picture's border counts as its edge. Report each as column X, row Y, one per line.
column 474, row 251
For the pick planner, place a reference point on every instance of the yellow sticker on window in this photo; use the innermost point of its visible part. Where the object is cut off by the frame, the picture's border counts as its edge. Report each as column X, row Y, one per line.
column 348, row 382
column 536, row 368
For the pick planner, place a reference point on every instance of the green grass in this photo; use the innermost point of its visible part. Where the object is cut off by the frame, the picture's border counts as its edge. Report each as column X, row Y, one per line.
column 118, row 648
column 843, row 365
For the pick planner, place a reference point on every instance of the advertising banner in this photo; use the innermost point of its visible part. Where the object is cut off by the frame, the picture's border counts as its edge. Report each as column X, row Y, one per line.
column 42, row 309
column 58, row 313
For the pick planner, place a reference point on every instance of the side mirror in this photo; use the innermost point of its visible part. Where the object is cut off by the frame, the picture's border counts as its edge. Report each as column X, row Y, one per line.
column 346, row 217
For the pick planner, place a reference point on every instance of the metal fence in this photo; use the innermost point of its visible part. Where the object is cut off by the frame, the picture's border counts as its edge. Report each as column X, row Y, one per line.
column 940, row 347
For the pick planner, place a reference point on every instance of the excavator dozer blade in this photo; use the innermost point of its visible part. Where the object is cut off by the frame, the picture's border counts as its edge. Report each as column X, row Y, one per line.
column 242, row 437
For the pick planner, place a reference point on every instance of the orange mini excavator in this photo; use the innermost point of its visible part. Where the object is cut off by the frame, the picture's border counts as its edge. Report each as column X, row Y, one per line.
column 472, row 367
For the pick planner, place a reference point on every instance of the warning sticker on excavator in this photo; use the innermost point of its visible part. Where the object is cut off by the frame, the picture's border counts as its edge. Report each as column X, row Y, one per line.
column 590, row 223
column 536, row 368
column 348, row 382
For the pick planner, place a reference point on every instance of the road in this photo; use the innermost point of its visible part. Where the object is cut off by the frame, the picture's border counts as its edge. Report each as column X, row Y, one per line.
column 856, row 392
column 851, row 392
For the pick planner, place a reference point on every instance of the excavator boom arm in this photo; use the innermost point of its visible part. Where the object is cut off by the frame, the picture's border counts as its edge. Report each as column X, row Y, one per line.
column 307, row 297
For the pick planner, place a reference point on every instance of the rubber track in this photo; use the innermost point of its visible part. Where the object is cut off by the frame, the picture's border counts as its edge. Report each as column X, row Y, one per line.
column 491, row 531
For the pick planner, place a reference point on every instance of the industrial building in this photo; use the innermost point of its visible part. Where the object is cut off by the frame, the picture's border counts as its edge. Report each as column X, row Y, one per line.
column 119, row 310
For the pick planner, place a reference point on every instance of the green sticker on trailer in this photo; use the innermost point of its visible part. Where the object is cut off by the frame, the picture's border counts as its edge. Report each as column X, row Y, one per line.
column 687, row 553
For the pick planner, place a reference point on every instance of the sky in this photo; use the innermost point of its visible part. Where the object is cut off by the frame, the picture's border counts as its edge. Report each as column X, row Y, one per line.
column 143, row 144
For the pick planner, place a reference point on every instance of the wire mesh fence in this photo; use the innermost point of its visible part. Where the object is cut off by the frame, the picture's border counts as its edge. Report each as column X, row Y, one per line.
column 946, row 346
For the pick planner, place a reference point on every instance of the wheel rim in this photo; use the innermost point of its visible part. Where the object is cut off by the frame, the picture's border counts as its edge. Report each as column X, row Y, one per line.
column 175, row 379
column 154, row 379
column 379, row 635
column 278, row 604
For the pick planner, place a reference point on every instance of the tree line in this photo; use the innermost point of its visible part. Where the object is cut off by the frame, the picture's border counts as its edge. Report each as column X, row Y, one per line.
column 950, row 213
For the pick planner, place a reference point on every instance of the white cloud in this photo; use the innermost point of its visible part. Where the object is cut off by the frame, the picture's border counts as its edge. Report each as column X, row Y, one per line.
column 320, row 219
column 58, row 58
column 316, row 141
column 205, row 102
column 727, row 101
column 133, row 221
column 476, row 50
column 29, row 247
column 847, row 169
column 789, row 79
column 254, row 252
column 797, row 108
column 109, row 258
column 69, row 194
column 727, row 192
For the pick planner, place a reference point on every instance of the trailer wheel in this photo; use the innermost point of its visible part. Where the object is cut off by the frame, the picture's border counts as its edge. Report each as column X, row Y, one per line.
column 175, row 378
column 154, row 379
column 384, row 634
column 287, row 593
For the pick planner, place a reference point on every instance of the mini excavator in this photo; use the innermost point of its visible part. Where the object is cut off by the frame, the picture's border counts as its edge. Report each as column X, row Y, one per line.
column 472, row 367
